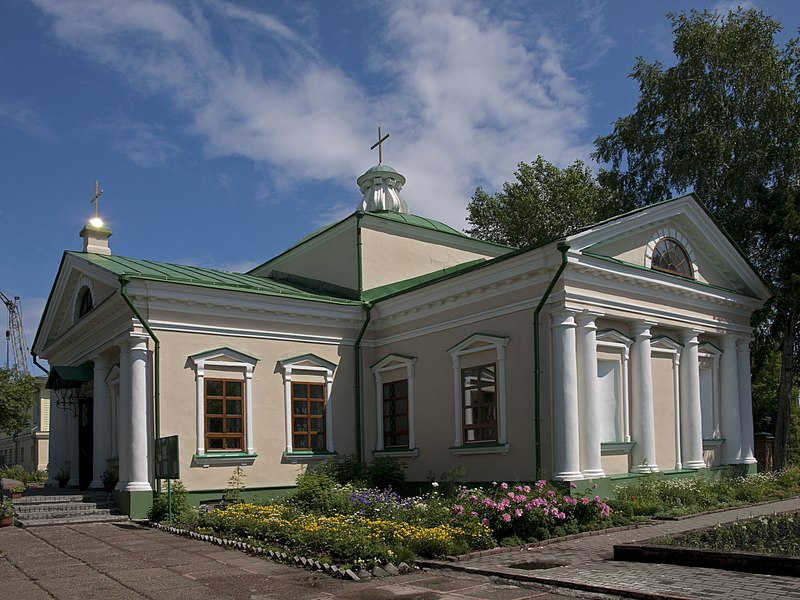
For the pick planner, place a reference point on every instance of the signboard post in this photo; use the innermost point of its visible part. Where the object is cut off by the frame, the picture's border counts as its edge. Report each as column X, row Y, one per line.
column 167, row 465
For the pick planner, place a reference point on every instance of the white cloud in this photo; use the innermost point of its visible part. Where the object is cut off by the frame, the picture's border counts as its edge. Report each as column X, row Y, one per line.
column 24, row 118
column 467, row 92
column 145, row 144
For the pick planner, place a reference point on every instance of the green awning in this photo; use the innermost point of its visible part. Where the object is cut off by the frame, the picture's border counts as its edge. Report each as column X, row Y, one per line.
column 68, row 377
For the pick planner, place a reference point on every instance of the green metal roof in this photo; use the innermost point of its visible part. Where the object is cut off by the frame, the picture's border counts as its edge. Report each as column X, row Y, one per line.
column 135, row 268
column 397, row 287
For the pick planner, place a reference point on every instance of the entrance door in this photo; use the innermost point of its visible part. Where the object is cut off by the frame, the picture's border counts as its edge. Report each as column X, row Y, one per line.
column 85, row 442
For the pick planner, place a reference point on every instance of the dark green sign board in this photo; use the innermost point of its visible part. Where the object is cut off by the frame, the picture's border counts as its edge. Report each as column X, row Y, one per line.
column 167, row 464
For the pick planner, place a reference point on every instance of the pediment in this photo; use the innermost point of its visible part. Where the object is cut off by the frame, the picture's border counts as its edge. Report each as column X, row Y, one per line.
column 393, row 361
column 631, row 239
column 223, row 357
column 309, row 362
column 80, row 291
column 478, row 342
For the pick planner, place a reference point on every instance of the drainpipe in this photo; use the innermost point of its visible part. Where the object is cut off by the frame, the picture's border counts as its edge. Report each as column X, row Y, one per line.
column 562, row 247
column 36, row 362
column 367, row 309
column 124, row 281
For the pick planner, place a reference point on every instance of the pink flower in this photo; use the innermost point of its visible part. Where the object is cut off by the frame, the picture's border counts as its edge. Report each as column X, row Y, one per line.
column 551, row 494
column 518, row 512
column 506, row 517
column 526, row 489
column 584, row 501
column 540, row 484
column 573, row 486
column 485, row 522
column 504, row 486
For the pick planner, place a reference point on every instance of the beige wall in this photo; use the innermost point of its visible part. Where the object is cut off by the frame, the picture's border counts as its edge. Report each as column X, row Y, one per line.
column 664, row 411
column 178, row 404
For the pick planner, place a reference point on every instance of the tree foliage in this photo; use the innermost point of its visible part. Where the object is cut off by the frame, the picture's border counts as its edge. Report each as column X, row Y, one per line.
column 17, row 396
column 544, row 203
column 725, row 121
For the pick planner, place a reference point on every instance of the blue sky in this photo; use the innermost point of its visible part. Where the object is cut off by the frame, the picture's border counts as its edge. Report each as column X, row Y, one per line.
column 223, row 131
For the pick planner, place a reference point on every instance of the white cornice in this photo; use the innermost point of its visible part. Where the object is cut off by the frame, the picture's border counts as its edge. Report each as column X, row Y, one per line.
column 249, row 333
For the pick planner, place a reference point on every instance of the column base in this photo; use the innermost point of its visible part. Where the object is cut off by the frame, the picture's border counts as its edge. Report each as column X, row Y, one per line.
column 593, row 474
column 73, row 482
column 137, row 486
column 648, row 468
column 568, row 476
column 694, row 464
column 134, row 504
column 96, row 485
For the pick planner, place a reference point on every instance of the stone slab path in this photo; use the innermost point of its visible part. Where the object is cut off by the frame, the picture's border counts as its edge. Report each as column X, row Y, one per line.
column 588, row 564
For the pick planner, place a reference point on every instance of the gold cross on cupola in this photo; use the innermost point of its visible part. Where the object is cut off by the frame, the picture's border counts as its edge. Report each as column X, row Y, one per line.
column 379, row 144
column 97, row 221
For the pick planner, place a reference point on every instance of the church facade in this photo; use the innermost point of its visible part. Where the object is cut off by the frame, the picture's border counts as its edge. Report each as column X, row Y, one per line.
column 622, row 348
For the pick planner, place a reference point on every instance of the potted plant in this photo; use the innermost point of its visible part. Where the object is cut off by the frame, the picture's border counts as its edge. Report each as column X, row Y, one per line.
column 16, row 491
column 63, row 476
column 6, row 512
column 110, row 479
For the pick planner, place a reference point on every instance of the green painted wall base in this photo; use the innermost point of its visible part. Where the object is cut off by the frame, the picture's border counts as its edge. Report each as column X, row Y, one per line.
column 134, row 504
column 255, row 495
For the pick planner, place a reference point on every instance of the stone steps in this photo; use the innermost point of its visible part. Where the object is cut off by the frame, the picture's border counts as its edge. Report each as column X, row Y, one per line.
column 37, row 510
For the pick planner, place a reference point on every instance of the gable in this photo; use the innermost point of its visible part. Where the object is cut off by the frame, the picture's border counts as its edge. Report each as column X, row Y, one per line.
column 631, row 239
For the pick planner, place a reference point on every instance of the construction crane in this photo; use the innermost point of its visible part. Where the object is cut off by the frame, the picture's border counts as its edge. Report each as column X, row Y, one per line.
column 15, row 336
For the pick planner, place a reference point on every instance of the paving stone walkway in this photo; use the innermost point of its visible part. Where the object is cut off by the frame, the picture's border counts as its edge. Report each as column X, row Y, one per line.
column 112, row 561
column 588, row 564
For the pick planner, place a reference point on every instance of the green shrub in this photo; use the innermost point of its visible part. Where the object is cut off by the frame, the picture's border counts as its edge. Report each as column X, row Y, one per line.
column 387, row 472
column 319, row 492
column 20, row 473
column 181, row 509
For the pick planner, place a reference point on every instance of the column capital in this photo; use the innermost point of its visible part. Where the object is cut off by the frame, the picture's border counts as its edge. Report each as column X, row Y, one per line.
column 689, row 336
column 744, row 343
column 100, row 361
column 641, row 328
column 563, row 318
column 728, row 341
column 587, row 318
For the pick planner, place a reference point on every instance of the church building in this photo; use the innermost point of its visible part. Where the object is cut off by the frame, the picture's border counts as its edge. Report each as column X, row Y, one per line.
column 622, row 348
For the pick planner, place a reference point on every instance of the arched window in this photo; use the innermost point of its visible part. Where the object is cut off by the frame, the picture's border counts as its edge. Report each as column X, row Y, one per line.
column 671, row 257
column 86, row 302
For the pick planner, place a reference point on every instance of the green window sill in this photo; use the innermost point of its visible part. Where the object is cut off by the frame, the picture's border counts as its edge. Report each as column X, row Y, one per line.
column 396, row 452
column 305, row 456
column 223, row 459
column 468, row 449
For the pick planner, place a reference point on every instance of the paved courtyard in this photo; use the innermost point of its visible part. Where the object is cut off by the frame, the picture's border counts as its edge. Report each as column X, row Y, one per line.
column 121, row 561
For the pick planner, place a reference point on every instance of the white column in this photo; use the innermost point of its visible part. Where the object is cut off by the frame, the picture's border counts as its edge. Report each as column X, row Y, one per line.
column 248, row 409
column 566, row 433
column 729, row 401
column 379, row 443
column 500, row 382
column 745, row 402
column 74, row 446
column 691, row 413
column 123, row 412
column 459, row 413
column 287, row 398
column 200, row 418
column 139, row 479
column 642, row 419
column 329, row 411
column 101, row 422
column 410, row 374
column 591, row 457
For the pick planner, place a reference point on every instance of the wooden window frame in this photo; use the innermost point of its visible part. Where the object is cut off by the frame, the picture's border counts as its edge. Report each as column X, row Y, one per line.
column 389, row 434
column 679, row 251
column 225, row 436
column 309, row 416
column 484, row 424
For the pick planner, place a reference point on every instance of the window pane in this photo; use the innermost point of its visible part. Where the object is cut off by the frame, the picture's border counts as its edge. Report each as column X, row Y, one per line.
column 317, row 408
column 233, row 388
column 301, row 442
column 233, row 443
column 234, row 425
column 315, row 391
column 299, row 390
column 214, row 407
column 300, row 425
column 213, row 387
column 215, row 425
column 299, row 407
column 318, row 442
column 317, row 425
column 215, row 444
column 233, row 407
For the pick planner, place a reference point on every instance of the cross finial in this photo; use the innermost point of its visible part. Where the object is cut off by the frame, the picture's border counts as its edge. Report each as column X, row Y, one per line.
column 96, row 198
column 379, row 144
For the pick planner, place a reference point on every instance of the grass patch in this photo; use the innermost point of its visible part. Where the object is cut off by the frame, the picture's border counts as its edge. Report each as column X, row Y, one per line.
column 776, row 534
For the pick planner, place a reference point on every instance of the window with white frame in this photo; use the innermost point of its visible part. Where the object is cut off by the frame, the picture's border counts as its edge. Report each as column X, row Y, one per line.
column 224, row 391
column 307, row 381
column 479, row 394
column 394, row 405
column 613, row 351
column 708, row 356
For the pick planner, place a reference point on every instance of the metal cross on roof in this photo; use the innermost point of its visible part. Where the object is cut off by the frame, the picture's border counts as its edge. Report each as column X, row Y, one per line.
column 379, row 144
column 96, row 198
